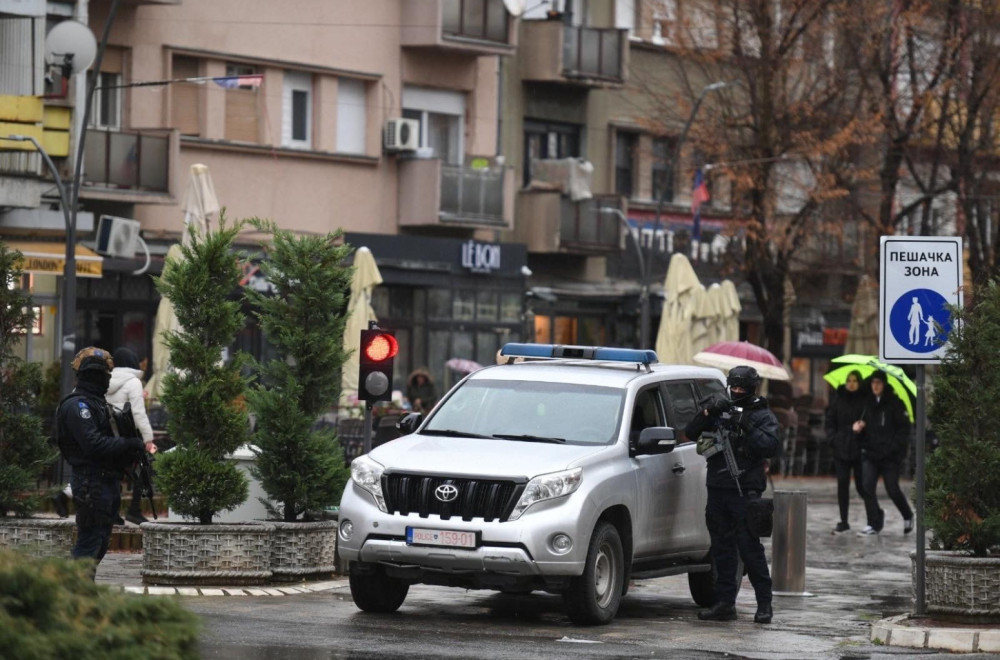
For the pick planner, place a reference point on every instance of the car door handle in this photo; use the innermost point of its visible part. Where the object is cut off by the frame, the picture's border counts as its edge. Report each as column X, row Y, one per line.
column 678, row 468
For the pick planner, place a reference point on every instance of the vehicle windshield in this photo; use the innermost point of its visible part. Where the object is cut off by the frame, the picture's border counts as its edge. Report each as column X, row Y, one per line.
column 519, row 411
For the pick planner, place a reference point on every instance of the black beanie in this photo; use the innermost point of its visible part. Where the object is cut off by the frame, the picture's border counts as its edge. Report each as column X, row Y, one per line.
column 126, row 357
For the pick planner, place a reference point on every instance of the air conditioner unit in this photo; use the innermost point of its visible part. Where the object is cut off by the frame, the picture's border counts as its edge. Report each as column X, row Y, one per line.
column 402, row 135
column 117, row 237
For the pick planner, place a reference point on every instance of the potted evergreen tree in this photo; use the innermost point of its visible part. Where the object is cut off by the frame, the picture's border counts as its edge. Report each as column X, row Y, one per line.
column 963, row 473
column 300, row 467
column 208, row 421
column 24, row 448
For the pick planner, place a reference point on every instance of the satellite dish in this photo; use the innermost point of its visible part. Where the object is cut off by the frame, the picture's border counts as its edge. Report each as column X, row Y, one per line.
column 71, row 43
column 515, row 7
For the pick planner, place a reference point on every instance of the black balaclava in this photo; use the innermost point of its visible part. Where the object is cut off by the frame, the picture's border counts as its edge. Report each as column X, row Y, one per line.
column 94, row 381
column 748, row 379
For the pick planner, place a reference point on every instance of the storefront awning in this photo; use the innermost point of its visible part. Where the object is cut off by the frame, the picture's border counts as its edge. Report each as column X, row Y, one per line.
column 50, row 258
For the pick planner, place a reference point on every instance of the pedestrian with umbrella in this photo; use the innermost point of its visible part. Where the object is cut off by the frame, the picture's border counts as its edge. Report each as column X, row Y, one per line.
column 845, row 408
column 884, row 434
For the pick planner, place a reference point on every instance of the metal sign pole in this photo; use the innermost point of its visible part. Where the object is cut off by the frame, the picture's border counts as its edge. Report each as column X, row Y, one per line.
column 367, row 447
column 921, row 415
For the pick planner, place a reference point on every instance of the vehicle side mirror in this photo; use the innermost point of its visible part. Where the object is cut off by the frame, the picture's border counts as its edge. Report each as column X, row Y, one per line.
column 409, row 423
column 656, row 440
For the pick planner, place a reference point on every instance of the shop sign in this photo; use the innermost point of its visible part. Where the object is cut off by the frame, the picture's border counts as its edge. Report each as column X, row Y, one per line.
column 54, row 266
column 480, row 257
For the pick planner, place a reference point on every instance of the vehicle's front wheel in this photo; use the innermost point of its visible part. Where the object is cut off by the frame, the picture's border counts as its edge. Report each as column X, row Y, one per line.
column 374, row 591
column 593, row 598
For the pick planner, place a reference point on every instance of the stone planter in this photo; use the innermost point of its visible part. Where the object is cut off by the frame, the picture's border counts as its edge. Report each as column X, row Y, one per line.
column 42, row 537
column 303, row 550
column 230, row 554
column 959, row 586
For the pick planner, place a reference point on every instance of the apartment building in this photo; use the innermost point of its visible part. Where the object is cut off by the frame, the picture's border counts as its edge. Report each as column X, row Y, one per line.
column 380, row 118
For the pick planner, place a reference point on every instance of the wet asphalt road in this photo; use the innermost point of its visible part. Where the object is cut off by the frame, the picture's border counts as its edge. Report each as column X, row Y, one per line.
column 852, row 581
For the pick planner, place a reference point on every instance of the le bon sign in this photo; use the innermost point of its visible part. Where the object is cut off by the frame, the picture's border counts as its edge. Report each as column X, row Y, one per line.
column 921, row 276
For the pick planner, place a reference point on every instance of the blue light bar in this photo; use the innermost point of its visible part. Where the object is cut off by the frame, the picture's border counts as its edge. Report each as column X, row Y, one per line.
column 559, row 351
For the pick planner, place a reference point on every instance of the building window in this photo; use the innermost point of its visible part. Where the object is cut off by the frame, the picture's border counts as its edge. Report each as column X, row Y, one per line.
column 477, row 19
column 625, row 152
column 352, row 126
column 185, row 98
column 241, row 105
column 296, row 123
column 545, row 140
column 106, row 112
column 442, row 116
column 663, row 168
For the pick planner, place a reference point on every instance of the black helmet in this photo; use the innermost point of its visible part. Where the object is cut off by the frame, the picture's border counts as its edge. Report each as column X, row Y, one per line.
column 744, row 377
column 93, row 359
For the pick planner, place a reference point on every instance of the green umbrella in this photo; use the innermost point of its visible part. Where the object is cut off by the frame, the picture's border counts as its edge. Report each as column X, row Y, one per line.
column 900, row 383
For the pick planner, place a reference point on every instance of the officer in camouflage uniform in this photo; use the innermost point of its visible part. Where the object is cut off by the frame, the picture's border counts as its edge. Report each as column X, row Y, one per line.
column 97, row 455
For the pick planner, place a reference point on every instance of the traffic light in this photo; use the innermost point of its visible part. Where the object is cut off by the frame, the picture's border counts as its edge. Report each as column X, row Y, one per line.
column 378, row 348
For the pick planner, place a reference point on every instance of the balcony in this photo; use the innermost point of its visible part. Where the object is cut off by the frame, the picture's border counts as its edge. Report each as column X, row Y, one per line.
column 585, row 56
column 120, row 164
column 550, row 222
column 433, row 194
column 471, row 27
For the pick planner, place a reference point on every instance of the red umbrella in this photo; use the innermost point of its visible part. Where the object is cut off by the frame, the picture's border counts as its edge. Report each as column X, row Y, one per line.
column 728, row 354
column 463, row 366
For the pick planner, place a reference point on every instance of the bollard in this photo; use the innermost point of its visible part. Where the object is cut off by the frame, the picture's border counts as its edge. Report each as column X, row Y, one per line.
column 788, row 543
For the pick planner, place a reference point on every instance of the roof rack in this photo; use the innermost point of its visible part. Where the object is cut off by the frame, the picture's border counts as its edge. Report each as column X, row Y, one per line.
column 644, row 357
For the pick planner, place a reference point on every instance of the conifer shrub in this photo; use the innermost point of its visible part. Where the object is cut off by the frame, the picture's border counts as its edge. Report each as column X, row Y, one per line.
column 50, row 608
column 963, row 473
column 204, row 393
column 300, row 467
column 24, row 448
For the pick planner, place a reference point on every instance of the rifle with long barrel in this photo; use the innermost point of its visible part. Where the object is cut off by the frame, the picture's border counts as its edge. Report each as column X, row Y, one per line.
column 721, row 442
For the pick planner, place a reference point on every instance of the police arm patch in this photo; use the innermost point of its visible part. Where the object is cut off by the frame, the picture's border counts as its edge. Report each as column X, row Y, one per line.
column 84, row 410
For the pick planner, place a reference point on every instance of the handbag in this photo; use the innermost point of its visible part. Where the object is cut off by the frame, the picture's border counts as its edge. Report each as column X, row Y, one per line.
column 760, row 516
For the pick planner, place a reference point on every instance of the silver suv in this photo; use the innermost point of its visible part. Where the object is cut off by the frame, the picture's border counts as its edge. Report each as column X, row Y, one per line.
column 565, row 469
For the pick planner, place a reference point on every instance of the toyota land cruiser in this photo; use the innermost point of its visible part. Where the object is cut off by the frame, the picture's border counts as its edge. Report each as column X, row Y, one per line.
column 563, row 469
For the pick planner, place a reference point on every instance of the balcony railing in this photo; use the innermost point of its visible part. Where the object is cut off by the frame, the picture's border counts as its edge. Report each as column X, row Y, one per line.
column 472, row 194
column 583, row 226
column 127, row 160
column 593, row 52
column 475, row 19
column 432, row 193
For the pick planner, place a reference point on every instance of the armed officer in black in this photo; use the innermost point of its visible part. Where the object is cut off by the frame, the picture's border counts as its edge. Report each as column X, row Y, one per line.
column 754, row 437
column 98, row 456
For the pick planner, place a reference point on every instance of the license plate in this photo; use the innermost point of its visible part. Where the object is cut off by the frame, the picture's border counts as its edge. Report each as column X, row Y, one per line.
column 448, row 538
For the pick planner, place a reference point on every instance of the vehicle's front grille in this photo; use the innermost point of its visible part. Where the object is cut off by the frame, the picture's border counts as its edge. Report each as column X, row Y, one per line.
column 489, row 499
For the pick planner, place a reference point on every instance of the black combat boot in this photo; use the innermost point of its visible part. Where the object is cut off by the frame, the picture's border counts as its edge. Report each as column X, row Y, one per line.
column 764, row 613
column 719, row 612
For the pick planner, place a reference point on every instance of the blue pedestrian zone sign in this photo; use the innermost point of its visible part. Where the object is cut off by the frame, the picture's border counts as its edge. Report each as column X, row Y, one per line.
column 921, row 276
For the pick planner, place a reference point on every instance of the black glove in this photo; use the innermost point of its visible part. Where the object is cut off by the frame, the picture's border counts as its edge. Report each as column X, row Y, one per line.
column 716, row 404
column 745, row 424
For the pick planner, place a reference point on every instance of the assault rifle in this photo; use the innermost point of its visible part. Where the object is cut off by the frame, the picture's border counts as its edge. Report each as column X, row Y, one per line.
column 140, row 473
column 721, row 440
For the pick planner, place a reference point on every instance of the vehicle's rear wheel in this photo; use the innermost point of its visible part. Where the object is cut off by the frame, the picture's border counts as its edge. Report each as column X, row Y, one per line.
column 702, row 584
column 593, row 598
column 374, row 591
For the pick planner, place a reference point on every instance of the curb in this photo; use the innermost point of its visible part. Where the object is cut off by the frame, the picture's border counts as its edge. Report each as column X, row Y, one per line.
column 892, row 632
column 314, row 587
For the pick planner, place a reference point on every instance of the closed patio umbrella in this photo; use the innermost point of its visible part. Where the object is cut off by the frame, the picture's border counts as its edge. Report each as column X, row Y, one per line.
column 359, row 309
column 682, row 292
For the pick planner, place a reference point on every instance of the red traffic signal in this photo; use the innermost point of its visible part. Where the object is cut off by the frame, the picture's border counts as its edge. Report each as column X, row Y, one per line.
column 378, row 348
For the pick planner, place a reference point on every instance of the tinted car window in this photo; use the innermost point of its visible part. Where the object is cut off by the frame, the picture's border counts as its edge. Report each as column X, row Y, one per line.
column 683, row 406
column 706, row 387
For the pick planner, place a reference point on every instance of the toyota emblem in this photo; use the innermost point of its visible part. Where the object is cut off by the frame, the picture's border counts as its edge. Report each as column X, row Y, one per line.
column 446, row 493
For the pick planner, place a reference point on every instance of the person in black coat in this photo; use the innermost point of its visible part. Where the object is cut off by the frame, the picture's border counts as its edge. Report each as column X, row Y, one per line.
column 884, row 434
column 98, row 456
column 845, row 408
column 754, row 438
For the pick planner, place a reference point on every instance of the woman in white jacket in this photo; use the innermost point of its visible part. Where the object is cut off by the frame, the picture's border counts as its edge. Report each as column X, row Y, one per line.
column 126, row 387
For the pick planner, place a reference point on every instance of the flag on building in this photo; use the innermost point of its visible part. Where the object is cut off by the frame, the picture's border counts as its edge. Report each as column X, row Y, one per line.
column 235, row 82
column 699, row 195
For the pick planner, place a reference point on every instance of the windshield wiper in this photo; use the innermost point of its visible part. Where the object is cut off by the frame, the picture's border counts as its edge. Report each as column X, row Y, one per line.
column 451, row 433
column 529, row 438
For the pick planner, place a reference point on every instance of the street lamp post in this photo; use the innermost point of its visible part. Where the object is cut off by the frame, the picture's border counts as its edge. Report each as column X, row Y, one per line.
column 643, row 280
column 68, row 339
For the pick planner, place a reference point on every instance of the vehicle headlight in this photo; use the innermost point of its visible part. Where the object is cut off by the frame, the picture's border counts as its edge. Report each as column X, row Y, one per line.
column 547, row 487
column 367, row 474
